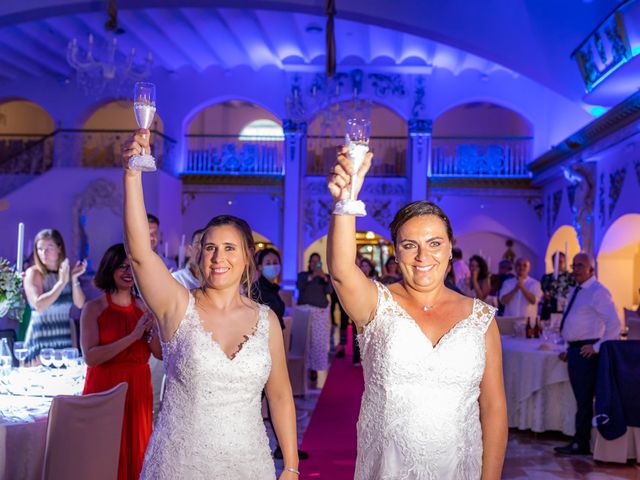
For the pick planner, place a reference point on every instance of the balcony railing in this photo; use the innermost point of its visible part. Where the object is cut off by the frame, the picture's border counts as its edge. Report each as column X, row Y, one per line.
column 390, row 155
column 24, row 156
column 230, row 155
column 493, row 157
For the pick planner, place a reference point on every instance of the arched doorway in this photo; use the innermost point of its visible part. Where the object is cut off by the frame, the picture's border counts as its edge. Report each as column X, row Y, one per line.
column 479, row 138
column 388, row 138
column 24, row 126
column 235, row 137
column 105, row 130
column 619, row 261
column 564, row 240
column 369, row 244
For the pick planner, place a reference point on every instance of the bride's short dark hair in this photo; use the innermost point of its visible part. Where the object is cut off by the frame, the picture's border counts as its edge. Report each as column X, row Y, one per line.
column 419, row 209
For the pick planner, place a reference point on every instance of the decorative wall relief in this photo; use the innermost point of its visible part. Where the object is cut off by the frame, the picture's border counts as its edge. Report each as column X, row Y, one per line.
column 99, row 194
column 557, row 199
column 616, row 181
column 582, row 176
column 384, row 84
column 571, row 195
column 601, row 190
column 382, row 196
column 418, row 99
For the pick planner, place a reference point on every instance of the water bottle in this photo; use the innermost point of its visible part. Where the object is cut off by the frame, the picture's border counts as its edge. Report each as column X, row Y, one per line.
column 6, row 359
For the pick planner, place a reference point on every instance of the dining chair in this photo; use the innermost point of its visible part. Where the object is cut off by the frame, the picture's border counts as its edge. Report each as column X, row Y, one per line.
column 83, row 436
column 297, row 358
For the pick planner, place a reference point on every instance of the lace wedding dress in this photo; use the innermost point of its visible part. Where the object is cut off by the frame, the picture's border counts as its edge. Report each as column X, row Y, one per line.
column 210, row 425
column 420, row 417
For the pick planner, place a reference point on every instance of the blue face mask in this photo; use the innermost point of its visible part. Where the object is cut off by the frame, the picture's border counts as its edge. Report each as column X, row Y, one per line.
column 271, row 272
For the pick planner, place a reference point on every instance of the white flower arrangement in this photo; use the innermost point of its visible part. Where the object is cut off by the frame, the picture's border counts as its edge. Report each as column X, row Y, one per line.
column 12, row 301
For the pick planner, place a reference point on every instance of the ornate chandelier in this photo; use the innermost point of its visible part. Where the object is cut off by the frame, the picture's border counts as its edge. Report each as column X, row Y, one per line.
column 109, row 73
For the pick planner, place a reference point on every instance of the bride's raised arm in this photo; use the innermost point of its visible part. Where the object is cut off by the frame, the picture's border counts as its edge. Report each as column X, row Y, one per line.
column 357, row 293
column 166, row 298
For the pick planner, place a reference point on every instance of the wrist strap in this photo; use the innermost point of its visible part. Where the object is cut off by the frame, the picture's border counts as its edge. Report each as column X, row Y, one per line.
column 292, row 470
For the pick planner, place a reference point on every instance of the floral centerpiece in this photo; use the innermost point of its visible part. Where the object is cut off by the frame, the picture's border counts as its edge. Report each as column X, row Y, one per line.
column 12, row 301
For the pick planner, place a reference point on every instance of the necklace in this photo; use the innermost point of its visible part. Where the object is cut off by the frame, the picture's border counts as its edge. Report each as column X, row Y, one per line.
column 426, row 308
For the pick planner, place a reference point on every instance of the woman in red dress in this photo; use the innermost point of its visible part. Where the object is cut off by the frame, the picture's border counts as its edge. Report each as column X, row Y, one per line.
column 116, row 342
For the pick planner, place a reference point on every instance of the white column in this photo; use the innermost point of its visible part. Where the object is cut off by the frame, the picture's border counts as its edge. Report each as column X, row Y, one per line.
column 295, row 157
column 419, row 161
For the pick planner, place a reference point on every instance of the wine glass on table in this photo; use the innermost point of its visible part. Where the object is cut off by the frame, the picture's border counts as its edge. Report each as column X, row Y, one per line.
column 21, row 352
column 46, row 357
column 357, row 143
column 144, row 107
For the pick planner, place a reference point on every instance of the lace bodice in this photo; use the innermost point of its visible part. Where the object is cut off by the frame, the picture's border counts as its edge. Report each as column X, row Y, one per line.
column 210, row 425
column 419, row 417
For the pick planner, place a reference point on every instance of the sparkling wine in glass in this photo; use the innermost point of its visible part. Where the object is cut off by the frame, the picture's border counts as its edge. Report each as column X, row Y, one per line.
column 357, row 142
column 21, row 352
column 144, row 107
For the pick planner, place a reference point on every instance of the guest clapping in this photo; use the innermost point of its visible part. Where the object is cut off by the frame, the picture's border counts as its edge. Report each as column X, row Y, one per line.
column 521, row 294
column 51, row 287
column 477, row 284
column 117, row 341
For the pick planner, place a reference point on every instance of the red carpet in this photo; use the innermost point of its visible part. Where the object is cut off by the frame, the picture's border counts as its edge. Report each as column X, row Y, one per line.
column 330, row 438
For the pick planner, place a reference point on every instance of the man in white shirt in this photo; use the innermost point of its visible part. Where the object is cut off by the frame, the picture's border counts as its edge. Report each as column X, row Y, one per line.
column 589, row 319
column 187, row 275
column 520, row 295
column 154, row 236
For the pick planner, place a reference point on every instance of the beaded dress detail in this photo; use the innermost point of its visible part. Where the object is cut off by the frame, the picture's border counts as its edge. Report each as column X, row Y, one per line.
column 210, row 425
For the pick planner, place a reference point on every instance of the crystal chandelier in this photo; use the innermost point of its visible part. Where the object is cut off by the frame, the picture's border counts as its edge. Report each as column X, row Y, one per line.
column 109, row 73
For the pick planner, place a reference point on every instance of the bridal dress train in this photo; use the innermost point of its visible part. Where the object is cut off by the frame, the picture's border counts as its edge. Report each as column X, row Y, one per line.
column 210, row 425
column 420, row 416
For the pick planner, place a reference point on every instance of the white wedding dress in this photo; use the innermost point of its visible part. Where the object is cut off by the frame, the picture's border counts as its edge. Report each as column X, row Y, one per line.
column 420, row 416
column 210, row 425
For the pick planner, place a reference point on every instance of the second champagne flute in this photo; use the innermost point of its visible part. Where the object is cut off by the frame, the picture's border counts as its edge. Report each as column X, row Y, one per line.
column 144, row 107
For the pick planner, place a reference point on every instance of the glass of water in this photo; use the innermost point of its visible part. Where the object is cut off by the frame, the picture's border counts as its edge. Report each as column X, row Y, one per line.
column 144, row 107
column 21, row 352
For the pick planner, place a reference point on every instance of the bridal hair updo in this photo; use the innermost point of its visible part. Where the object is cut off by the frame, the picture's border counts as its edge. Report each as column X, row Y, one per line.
column 248, row 249
column 419, row 209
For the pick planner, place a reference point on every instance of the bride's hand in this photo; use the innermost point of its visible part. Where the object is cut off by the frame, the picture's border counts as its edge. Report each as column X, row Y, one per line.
column 339, row 179
column 136, row 144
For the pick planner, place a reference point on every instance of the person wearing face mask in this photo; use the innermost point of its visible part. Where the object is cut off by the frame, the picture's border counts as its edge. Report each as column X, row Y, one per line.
column 434, row 404
column 265, row 289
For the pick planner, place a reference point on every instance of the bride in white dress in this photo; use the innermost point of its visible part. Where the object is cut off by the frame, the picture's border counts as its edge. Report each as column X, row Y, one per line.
column 220, row 350
column 434, row 404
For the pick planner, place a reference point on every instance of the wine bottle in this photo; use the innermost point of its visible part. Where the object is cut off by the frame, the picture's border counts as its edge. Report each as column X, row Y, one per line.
column 537, row 328
column 529, row 329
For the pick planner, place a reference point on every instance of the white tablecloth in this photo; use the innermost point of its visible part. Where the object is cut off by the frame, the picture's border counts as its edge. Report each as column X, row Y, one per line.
column 539, row 395
column 24, row 407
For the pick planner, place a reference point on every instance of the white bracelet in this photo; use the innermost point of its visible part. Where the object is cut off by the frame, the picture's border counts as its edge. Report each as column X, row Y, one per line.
column 76, row 283
column 292, row 470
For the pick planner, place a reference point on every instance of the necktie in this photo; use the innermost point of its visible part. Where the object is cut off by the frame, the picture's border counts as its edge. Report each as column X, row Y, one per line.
column 573, row 299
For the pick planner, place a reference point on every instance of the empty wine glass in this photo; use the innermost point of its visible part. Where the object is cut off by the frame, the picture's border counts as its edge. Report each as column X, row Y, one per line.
column 357, row 143
column 46, row 356
column 144, row 107
column 69, row 357
column 21, row 352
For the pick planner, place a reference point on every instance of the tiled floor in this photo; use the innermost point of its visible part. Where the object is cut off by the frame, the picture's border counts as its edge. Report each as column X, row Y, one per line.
column 531, row 456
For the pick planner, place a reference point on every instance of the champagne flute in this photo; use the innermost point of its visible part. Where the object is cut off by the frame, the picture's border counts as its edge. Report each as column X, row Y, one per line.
column 144, row 107
column 357, row 142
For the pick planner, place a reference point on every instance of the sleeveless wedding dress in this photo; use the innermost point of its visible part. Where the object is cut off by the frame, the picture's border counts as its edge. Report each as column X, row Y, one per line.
column 420, row 417
column 210, row 425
